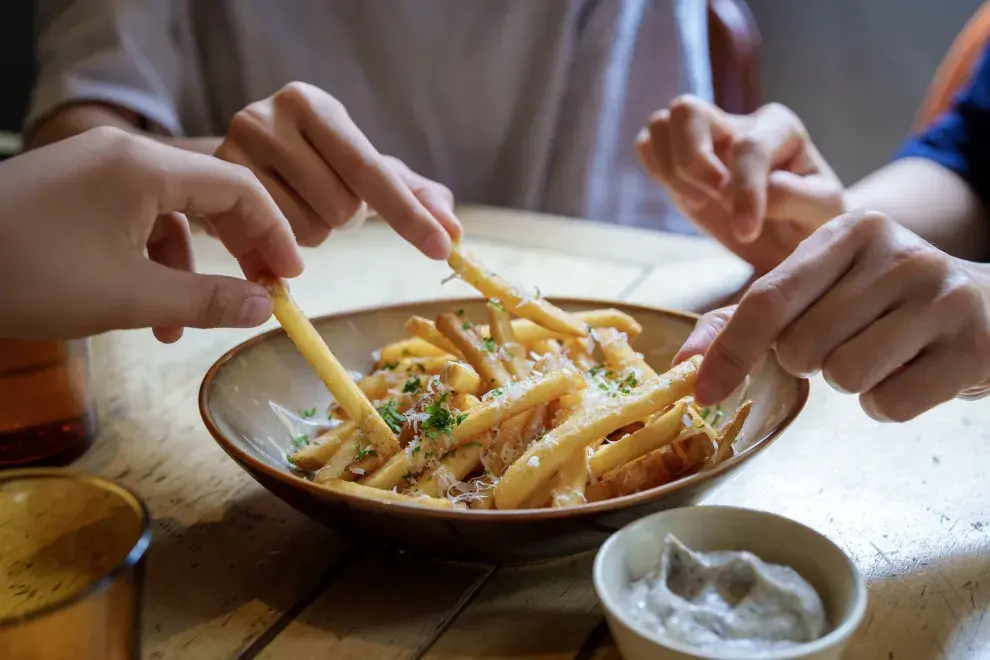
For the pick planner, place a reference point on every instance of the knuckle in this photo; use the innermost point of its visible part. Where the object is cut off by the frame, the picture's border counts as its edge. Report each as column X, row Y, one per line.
column 215, row 308
column 659, row 120
column 767, row 299
column 685, row 104
column 248, row 123
column 866, row 226
column 753, row 147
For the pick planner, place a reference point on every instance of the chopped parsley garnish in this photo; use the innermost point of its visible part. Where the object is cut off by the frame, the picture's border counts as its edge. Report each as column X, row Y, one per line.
column 308, row 413
column 473, row 443
column 490, row 344
column 628, row 383
column 538, row 294
column 364, row 452
column 416, row 449
column 597, row 369
column 299, row 442
column 392, row 417
column 498, row 391
column 407, row 476
column 460, row 312
column 412, row 385
column 452, row 276
column 430, row 454
column 497, row 304
column 440, row 421
column 406, row 353
column 390, row 366
column 466, row 325
column 421, row 368
column 714, row 413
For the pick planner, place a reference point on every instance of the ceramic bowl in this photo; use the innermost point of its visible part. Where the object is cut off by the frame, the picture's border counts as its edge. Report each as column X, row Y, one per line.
column 634, row 551
column 248, row 393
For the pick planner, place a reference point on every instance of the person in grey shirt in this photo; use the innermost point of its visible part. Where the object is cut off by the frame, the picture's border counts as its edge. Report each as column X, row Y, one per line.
column 530, row 105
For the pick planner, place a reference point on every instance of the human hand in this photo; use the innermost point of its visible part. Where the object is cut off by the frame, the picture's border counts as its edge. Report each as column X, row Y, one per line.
column 319, row 167
column 94, row 239
column 755, row 182
column 877, row 310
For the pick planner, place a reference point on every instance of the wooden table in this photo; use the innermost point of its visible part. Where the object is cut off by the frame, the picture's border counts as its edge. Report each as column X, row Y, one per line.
column 233, row 572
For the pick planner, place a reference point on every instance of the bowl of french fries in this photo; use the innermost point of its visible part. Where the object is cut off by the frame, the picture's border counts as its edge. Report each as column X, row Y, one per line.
column 506, row 428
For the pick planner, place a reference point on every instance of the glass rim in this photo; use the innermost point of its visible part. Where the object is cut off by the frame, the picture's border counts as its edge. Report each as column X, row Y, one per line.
column 133, row 557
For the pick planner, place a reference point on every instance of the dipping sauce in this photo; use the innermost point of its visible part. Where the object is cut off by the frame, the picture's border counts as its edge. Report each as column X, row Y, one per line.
column 725, row 601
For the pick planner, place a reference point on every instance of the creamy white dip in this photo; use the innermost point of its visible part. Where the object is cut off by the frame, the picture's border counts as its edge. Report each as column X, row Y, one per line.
column 725, row 601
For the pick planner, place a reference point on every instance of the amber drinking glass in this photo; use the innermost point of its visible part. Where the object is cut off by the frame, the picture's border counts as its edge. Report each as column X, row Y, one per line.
column 71, row 566
column 46, row 406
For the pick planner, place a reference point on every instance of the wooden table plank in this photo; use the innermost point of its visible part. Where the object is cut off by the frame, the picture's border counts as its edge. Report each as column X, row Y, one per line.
column 383, row 605
column 543, row 611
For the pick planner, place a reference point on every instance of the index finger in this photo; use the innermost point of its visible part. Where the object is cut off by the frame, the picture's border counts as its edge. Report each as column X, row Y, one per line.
column 775, row 136
column 774, row 302
column 246, row 219
column 364, row 170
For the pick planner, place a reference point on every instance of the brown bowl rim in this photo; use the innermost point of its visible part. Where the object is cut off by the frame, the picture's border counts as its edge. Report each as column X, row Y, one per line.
column 494, row 516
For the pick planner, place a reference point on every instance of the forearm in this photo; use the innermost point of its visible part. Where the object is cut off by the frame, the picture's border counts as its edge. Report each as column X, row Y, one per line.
column 931, row 201
column 75, row 119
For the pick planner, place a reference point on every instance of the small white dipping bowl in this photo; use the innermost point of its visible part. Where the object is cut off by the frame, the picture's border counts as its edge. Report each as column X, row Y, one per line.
column 634, row 551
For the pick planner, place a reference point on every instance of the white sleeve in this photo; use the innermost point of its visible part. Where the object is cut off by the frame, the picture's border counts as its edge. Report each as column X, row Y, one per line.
column 119, row 52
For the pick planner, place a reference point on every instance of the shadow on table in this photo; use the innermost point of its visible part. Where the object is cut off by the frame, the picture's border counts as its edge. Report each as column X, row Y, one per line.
column 921, row 608
column 256, row 560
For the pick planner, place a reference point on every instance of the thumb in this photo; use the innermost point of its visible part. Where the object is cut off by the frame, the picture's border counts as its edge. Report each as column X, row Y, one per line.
column 176, row 298
column 704, row 333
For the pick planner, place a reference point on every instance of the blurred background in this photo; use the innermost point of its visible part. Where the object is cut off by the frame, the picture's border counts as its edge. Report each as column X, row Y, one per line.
column 855, row 71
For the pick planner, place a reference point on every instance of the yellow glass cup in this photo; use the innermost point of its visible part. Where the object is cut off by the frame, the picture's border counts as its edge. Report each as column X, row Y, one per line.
column 71, row 565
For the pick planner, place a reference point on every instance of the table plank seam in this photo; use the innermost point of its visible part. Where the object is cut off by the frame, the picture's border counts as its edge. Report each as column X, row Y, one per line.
column 628, row 289
column 455, row 611
column 268, row 635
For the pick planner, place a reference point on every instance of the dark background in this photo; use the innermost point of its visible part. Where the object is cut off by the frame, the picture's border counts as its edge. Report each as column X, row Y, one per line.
column 17, row 57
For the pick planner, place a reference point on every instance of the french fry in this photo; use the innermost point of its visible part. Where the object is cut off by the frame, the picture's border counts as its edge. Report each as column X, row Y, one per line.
column 408, row 348
column 728, row 434
column 483, row 503
column 460, row 377
column 619, row 356
column 328, row 368
column 512, row 352
column 549, row 454
column 569, row 484
column 426, row 330
column 658, row 467
column 315, row 455
column 518, row 398
column 374, row 386
column 483, row 358
column 660, row 431
column 579, row 351
column 512, row 438
column 453, row 468
column 536, row 309
column 546, row 347
column 386, row 496
column 340, row 460
column 423, row 365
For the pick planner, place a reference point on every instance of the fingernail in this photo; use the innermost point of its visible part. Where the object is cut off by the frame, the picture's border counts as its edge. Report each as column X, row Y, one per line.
column 872, row 411
column 437, row 246
column 254, row 311
column 835, row 386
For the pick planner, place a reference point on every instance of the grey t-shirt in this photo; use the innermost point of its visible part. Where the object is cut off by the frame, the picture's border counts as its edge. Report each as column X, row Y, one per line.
column 529, row 104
